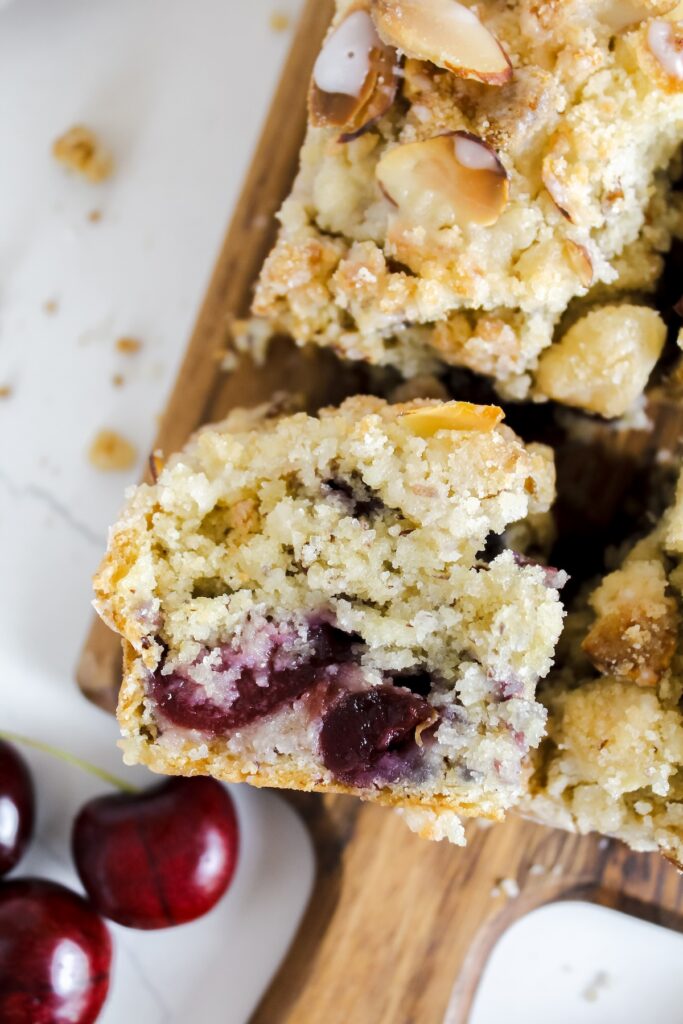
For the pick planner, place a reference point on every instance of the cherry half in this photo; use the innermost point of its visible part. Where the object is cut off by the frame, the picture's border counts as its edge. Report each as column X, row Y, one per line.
column 184, row 703
column 17, row 807
column 157, row 858
column 55, row 955
column 370, row 736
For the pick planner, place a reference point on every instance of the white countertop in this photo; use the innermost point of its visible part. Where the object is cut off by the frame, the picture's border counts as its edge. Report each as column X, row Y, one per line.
column 177, row 90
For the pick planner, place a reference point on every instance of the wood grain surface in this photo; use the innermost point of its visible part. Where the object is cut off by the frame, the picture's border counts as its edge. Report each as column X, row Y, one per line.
column 398, row 928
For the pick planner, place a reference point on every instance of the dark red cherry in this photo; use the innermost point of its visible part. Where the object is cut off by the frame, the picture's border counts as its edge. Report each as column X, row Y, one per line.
column 369, row 736
column 185, row 703
column 55, row 954
column 17, row 807
column 157, row 858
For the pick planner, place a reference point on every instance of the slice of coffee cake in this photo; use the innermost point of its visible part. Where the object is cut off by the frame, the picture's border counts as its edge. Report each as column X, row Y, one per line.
column 306, row 602
column 489, row 186
column 613, row 759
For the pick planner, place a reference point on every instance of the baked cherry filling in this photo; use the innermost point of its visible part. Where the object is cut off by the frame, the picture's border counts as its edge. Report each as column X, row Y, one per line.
column 281, row 676
column 369, row 736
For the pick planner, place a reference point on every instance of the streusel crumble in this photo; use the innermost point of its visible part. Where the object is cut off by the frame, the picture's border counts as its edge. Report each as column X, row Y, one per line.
column 613, row 759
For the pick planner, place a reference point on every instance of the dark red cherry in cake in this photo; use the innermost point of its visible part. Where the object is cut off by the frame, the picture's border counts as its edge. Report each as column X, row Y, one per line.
column 55, row 955
column 17, row 807
column 157, row 858
column 370, row 736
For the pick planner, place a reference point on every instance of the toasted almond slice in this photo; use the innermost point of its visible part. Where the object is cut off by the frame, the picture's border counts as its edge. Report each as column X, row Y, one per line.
column 580, row 261
column 426, row 421
column 556, row 189
column 450, row 179
column 664, row 41
column 446, row 33
column 354, row 78
column 623, row 14
column 383, row 93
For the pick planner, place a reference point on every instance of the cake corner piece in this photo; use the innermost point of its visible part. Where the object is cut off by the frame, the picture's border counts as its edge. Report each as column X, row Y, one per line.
column 484, row 186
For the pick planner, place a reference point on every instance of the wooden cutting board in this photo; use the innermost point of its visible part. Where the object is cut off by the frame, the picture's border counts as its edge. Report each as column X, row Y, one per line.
column 398, row 928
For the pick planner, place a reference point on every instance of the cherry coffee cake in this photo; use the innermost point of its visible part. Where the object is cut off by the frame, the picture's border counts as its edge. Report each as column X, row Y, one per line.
column 487, row 186
column 324, row 603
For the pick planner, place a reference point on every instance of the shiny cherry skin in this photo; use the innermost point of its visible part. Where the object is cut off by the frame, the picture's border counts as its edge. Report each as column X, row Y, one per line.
column 17, row 807
column 158, row 858
column 55, row 955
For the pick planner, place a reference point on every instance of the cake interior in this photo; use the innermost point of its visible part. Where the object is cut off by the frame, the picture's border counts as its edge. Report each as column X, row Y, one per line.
column 311, row 600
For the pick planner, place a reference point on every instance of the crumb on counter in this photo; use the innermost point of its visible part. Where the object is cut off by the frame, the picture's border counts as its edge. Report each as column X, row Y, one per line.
column 50, row 306
column 111, row 451
column 95, row 216
column 128, row 346
column 279, row 21
column 5, row 391
column 80, row 150
column 118, row 380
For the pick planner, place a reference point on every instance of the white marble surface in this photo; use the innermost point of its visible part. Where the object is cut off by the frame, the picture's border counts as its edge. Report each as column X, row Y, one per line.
column 577, row 963
column 177, row 89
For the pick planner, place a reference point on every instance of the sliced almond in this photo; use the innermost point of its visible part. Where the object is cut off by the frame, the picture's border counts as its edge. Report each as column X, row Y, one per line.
column 354, row 79
column 446, row 33
column 556, row 189
column 664, row 41
column 450, row 179
column 622, row 14
column 580, row 262
column 426, row 421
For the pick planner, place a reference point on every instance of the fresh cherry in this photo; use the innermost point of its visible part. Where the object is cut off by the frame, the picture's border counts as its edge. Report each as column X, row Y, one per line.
column 55, row 954
column 157, row 858
column 17, row 807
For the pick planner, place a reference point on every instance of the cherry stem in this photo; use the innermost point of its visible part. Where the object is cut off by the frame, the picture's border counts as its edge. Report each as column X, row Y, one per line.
column 63, row 755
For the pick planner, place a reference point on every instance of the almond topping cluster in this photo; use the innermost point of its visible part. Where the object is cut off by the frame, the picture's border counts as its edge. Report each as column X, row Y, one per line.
column 451, row 179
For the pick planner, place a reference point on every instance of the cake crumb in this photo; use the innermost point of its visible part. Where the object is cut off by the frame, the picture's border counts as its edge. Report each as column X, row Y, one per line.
column 111, row 451
column 592, row 989
column 80, row 150
column 128, row 346
column 5, row 391
column 118, row 380
column 50, row 306
column 279, row 21
column 508, row 887
column 95, row 216
column 229, row 360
